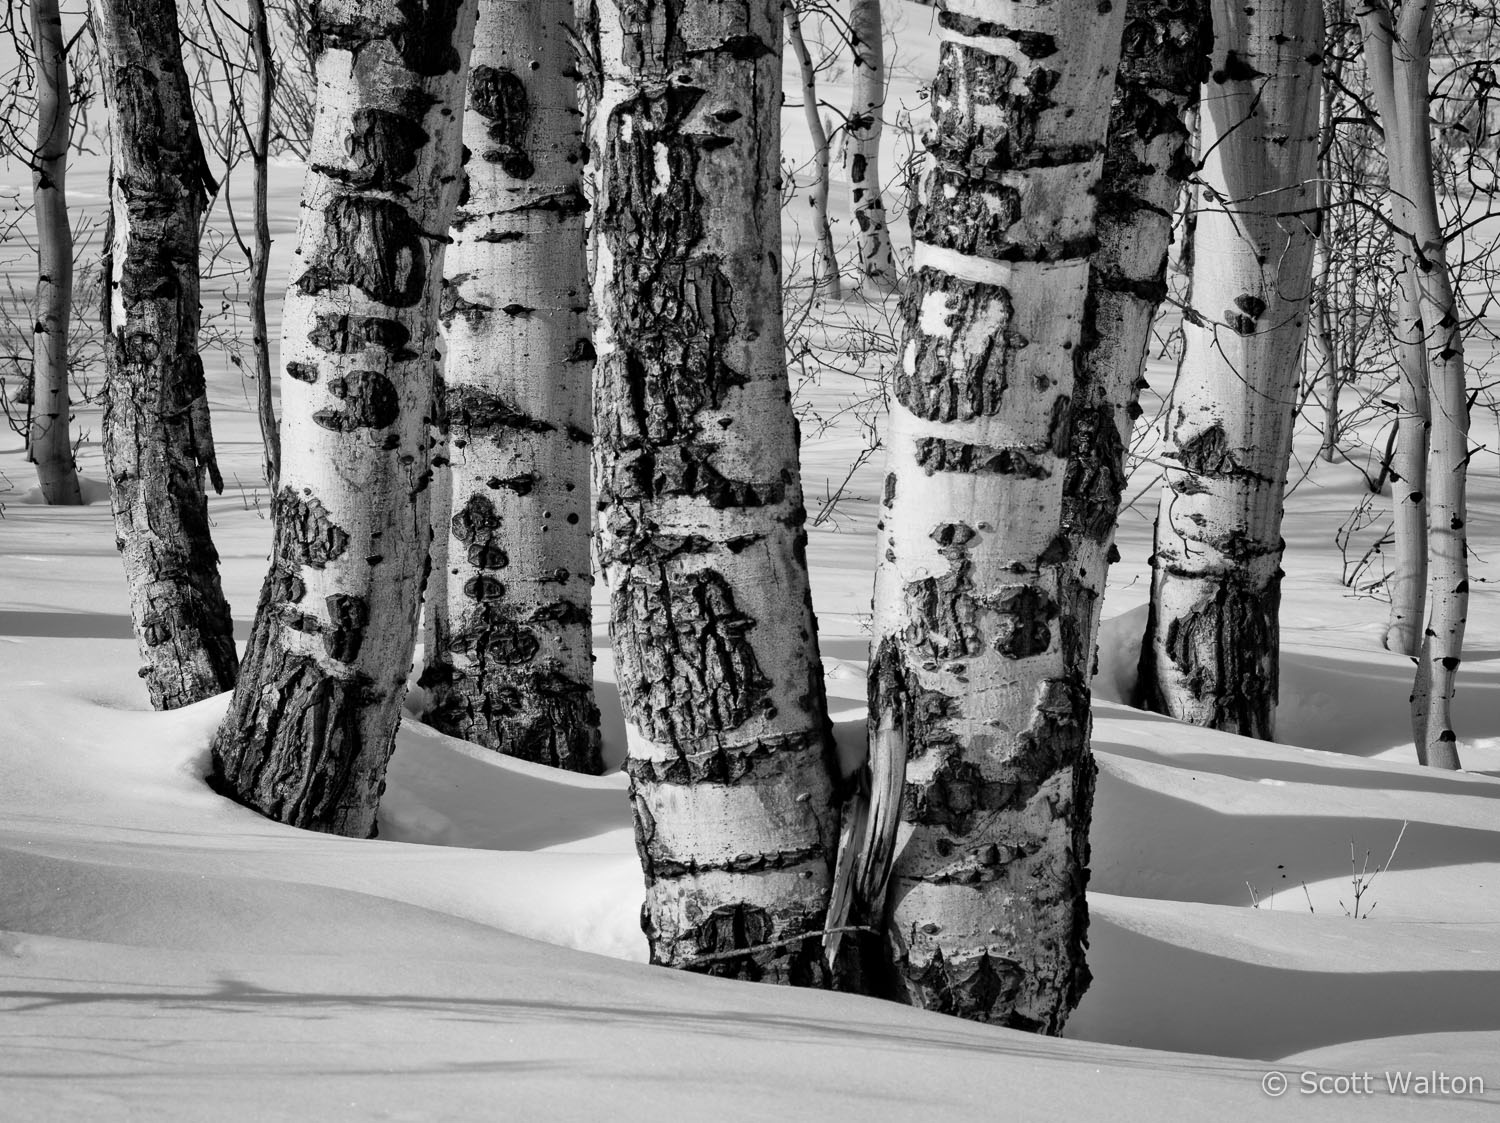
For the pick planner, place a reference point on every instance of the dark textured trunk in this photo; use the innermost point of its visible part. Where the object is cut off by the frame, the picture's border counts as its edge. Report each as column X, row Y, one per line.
column 314, row 719
column 701, row 512
column 978, row 677
column 509, row 642
column 1147, row 161
column 260, row 258
column 47, row 442
column 158, row 444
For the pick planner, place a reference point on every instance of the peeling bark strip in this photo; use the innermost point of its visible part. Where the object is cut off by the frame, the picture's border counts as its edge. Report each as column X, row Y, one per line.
column 978, row 697
column 47, row 442
column 1147, row 162
column 1209, row 656
column 314, row 718
column 509, row 643
column 700, row 503
column 158, row 444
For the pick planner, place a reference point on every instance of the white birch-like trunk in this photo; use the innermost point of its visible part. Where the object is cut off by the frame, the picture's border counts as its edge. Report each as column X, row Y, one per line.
column 700, row 497
column 508, row 641
column 314, row 717
column 825, row 259
column 1408, row 581
column 158, row 438
column 1398, row 57
column 47, row 443
column 862, row 152
column 978, row 685
column 1210, row 653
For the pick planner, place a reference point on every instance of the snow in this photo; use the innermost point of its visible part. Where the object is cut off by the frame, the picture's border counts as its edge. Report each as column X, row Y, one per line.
column 166, row 954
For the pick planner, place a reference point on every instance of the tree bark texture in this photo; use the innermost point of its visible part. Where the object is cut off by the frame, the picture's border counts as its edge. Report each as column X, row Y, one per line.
column 978, row 680
column 700, row 497
column 825, row 258
column 158, row 442
column 867, row 203
column 260, row 257
column 1210, row 653
column 1408, row 581
column 1398, row 55
column 509, row 651
column 1148, row 159
column 47, row 442
column 314, row 718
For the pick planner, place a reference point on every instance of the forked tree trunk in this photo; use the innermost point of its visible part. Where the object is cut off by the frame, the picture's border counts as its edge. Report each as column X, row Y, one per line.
column 314, row 718
column 1210, row 653
column 867, row 203
column 158, row 444
column 700, row 504
column 1148, row 158
column 1398, row 59
column 825, row 259
column 508, row 641
column 978, row 683
column 47, row 442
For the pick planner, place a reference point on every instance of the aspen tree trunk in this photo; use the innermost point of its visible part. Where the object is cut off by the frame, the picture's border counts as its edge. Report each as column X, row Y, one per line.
column 978, row 681
column 700, row 504
column 1163, row 61
column 260, row 258
column 1398, row 58
column 314, row 717
column 825, row 260
column 158, row 443
column 1408, row 584
column 509, row 651
column 47, row 443
column 872, row 236
column 1210, row 654
column 1325, row 278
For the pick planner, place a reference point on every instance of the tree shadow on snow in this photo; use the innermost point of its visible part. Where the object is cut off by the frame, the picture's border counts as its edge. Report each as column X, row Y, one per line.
column 1157, row 995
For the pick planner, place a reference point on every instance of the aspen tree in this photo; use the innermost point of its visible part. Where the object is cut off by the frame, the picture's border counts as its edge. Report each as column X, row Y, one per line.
column 978, row 684
column 1148, row 159
column 1210, row 652
column 862, row 152
column 700, row 504
column 313, row 720
column 825, row 259
column 158, row 441
column 47, row 442
column 508, row 642
column 1398, row 56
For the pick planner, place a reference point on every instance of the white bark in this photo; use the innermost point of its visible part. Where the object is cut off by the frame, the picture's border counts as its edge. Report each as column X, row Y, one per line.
column 1398, row 58
column 509, row 651
column 314, row 717
column 977, row 687
column 862, row 153
column 1210, row 654
column 825, row 259
column 47, row 443
column 700, row 503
